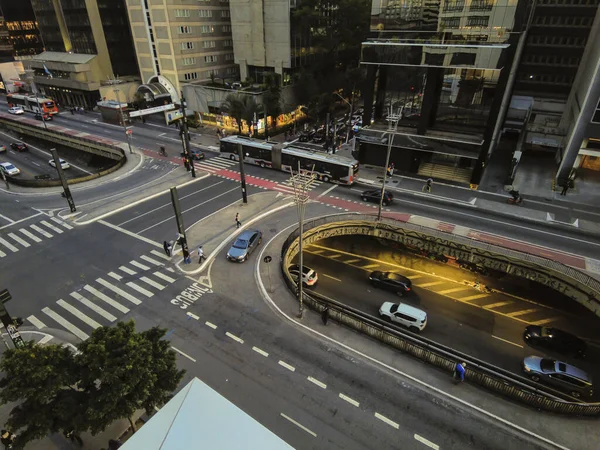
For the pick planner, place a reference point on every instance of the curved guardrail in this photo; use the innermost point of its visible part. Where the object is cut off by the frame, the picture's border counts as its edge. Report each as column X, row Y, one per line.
column 479, row 372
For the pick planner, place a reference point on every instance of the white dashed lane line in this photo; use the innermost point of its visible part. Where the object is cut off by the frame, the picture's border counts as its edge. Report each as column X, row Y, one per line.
column 212, row 325
column 349, row 400
column 287, row 366
column 234, row 337
column 317, row 382
column 427, row 442
column 390, row 422
column 260, row 352
column 299, row 425
column 184, row 354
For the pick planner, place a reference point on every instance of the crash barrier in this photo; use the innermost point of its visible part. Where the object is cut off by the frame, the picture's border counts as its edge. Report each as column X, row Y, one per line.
column 477, row 371
column 571, row 282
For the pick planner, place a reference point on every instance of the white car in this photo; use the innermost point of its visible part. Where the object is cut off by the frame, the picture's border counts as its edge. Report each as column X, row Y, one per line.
column 63, row 163
column 2, row 148
column 9, row 169
column 16, row 110
column 409, row 316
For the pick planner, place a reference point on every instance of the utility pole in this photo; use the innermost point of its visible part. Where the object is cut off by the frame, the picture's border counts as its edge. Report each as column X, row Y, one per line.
column 66, row 191
column 186, row 136
column 180, row 227
column 242, row 173
column 8, row 322
column 392, row 127
column 127, row 132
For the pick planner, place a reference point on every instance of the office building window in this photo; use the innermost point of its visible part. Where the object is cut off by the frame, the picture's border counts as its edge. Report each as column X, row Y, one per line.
column 225, row 14
column 227, row 43
column 210, row 58
column 187, row 46
column 226, row 28
column 189, row 61
column 229, row 57
column 190, row 76
column 481, row 5
column 231, row 70
column 205, row 13
column 182, row 13
column 184, row 29
column 210, row 44
column 454, row 5
column 481, row 21
column 207, row 29
column 451, row 22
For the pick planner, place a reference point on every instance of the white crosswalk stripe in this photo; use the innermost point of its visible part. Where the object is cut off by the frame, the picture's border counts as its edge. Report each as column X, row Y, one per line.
column 127, row 270
column 30, row 235
column 152, row 283
column 140, row 289
column 2, row 254
column 21, row 241
column 65, row 323
column 106, row 299
column 52, row 227
column 60, row 222
column 108, row 316
column 81, row 316
column 41, row 231
column 47, row 338
column 116, row 276
column 139, row 265
column 118, row 291
column 164, row 277
column 36, row 322
column 151, row 260
column 160, row 255
column 8, row 245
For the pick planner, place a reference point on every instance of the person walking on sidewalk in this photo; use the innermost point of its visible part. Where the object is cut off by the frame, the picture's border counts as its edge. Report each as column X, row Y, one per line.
column 7, row 438
column 237, row 220
column 168, row 248
column 427, row 186
column 200, row 254
column 73, row 437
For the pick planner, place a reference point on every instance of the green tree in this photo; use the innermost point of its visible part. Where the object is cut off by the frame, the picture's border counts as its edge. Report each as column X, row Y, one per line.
column 250, row 108
column 271, row 99
column 234, row 106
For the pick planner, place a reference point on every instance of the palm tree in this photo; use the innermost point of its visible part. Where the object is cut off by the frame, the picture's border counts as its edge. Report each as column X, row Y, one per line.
column 272, row 99
column 234, row 106
column 249, row 109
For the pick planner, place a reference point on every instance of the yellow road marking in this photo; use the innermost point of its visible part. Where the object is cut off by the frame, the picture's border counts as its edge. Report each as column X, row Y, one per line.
column 448, row 291
column 496, row 305
column 522, row 312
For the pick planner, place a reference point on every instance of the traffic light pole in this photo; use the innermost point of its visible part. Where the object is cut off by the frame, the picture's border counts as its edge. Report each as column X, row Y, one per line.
column 63, row 180
column 186, row 136
column 127, row 132
column 180, row 226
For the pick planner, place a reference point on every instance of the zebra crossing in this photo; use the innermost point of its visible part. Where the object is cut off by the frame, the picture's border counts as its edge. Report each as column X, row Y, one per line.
column 288, row 186
column 15, row 240
column 98, row 303
column 214, row 165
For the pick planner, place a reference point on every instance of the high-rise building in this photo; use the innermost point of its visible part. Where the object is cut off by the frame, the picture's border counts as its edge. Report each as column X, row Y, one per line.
column 440, row 67
column 181, row 42
column 21, row 24
column 87, row 42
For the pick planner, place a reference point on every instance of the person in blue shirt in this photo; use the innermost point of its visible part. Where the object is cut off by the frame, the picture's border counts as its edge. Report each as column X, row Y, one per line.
column 459, row 371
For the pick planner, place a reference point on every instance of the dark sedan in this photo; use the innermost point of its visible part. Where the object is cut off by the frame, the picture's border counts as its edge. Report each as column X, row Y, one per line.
column 390, row 281
column 45, row 117
column 19, row 146
column 374, row 196
column 244, row 245
column 196, row 155
column 554, row 339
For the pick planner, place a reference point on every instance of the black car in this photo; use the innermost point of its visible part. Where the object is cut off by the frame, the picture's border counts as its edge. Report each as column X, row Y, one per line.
column 374, row 196
column 196, row 155
column 45, row 116
column 554, row 339
column 19, row 146
column 390, row 281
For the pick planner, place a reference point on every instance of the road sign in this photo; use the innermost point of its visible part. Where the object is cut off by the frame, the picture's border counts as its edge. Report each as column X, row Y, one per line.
column 143, row 112
column 5, row 295
column 15, row 336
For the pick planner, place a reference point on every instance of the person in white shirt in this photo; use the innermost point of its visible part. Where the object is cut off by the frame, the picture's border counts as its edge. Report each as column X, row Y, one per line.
column 200, row 255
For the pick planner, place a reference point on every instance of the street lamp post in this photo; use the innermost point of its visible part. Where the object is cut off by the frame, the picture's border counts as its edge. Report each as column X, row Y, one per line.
column 186, row 136
column 392, row 127
column 127, row 134
column 349, row 123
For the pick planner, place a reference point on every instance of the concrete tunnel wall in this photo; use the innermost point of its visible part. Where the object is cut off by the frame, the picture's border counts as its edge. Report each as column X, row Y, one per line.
column 571, row 282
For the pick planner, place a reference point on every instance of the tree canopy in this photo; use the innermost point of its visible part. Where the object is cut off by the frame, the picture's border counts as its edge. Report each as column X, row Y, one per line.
column 114, row 373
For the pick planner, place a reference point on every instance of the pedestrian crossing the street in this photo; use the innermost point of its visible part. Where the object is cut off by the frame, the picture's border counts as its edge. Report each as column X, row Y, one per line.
column 14, row 240
column 100, row 302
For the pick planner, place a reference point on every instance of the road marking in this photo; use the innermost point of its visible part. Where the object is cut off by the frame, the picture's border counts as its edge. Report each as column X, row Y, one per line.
column 130, row 233
column 349, row 400
column 472, row 297
column 334, row 256
column 10, row 221
column 212, row 325
column 522, row 312
column 77, row 296
column 65, row 323
column 19, row 240
column 151, row 260
column 508, row 342
column 448, row 291
column 261, row 352
column 140, row 289
column 20, row 220
column 370, row 266
column 427, row 442
column 30, row 235
column 152, row 283
column 432, row 283
column 545, row 321
column 2, row 254
column 36, row 322
column 8, row 245
column 318, row 252
column 60, row 222
column 183, row 354
column 193, row 316
column 333, row 278
column 52, row 227
column 234, row 337
column 497, row 305
column 118, row 291
column 327, row 191
column 164, row 277
column 287, row 366
column 45, row 339
column 115, row 276
column 317, row 382
column 40, row 230
column 299, row 425
column 106, row 299
column 388, row 421
column 83, row 317
column 127, row 270
column 160, row 255
column 139, row 265
column 350, row 261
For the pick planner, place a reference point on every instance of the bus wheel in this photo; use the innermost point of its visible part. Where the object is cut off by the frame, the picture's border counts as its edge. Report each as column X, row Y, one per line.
column 325, row 178
column 232, row 157
column 262, row 165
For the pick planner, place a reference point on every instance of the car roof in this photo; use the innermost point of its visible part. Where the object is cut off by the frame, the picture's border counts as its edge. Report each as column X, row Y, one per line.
column 573, row 371
column 245, row 235
column 411, row 311
column 6, row 164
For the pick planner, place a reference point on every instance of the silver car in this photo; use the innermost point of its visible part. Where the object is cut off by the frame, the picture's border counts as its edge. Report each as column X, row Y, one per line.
column 244, row 245
column 561, row 375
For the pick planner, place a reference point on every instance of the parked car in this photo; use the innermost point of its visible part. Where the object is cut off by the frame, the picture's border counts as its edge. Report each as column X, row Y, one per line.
column 196, row 155
column 390, row 281
column 9, row 169
column 309, row 276
column 558, row 374
column 16, row 110
column 2, row 148
column 63, row 163
column 45, row 116
column 374, row 196
column 244, row 245
column 409, row 316
column 19, row 146
column 554, row 339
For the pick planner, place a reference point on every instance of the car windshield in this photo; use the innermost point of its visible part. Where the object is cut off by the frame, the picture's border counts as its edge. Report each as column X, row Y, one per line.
column 547, row 365
column 9, row 167
column 394, row 308
column 395, row 276
column 240, row 243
